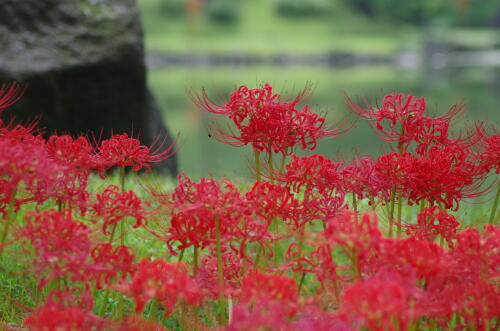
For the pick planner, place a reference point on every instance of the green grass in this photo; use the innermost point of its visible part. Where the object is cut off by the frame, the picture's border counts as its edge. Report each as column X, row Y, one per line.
column 260, row 30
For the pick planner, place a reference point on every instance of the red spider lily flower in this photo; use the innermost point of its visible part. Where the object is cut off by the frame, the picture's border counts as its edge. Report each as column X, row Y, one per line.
column 468, row 285
column 261, row 314
column 26, row 133
column 381, row 304
column 269, row 123
column 320, row 263
column 115, row 263
column 122, row 151
column 406, row 261
column 244, row 101
column 259, row 287
column 425, row 257
column 356, row 236
column 28, row 173
column 431, row 132
column 479, row 253
column 401, row 120
column 322, row 207
column 313, row 319
column 323, row 192
column 10, row 93
column 392, row 171
column 313, row 172
column 61, row 246
column 351, row 232
column 55, row 317
column 233, row 270
column 138, row 323
column 197, row 206
column 75, row 156
column 447, row 175
column 270, row 200
column 359, row 178
column 397, row 120
column 75, row 153
column 433, row 221
column 114, row 206
column 167, row 283
column 490, row 154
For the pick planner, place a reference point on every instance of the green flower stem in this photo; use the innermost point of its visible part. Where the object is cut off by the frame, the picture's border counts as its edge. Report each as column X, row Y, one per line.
column 422, row 206
column 122, row 188
column 354, row 203
column 8, row 221
column 400, row 212
column 181, row 255
column 391, row 211
column 153, row 310
column 112, row 237
column 122, row 179
column 271, row 167
column 257, row 257
column 373, row 205
column 495, row 206
column 301, row 283
column 282, row 165
column 106, row 294
column 195, row 260
column 301, row 249
column 274, row 221
column 276, row 243
column 256, row 154
column 220, row 271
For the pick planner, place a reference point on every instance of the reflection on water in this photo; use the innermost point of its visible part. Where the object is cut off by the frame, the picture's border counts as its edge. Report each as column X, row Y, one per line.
column 202, row 156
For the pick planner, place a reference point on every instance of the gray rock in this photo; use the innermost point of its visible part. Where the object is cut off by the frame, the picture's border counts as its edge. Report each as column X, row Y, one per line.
column 83, row 64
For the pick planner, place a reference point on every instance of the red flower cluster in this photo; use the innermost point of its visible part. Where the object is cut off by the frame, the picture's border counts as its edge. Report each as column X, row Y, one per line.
column 196, row 207
column 381, row 304
column 401, row 120
column 55, row 317
column 61, row 244
column 432, row 222
column 122, row 151
column 115, row 264
column 167, row 283
column 269, row 123
column 113, row 207
column 76, row 160
column 284, row 253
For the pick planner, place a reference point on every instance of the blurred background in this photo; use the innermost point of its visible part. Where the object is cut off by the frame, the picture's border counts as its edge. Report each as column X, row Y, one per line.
column 445, row 50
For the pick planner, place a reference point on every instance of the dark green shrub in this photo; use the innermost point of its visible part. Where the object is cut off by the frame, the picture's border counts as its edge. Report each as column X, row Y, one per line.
column 479, row 13
column 472, row 13
column 223, row 11
column 173, row 7
column 302, row 8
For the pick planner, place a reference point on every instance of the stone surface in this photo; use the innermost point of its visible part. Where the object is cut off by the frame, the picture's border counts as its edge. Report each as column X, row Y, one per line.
column 82, row 62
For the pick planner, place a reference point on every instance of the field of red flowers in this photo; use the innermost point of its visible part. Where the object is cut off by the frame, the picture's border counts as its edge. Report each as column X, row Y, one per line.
column 311, row 244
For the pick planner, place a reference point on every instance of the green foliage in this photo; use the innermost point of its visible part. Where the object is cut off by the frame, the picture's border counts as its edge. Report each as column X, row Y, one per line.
column 479, row 13
column 302, row 8
column 408, row 11
column 471, row 13
column 172, row 8
column 223, row 11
